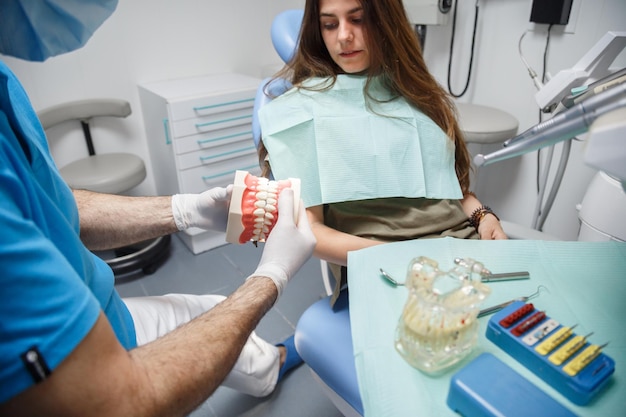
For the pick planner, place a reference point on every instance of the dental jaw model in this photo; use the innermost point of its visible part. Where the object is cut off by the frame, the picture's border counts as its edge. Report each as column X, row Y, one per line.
column 254, row 207
column 438, row 326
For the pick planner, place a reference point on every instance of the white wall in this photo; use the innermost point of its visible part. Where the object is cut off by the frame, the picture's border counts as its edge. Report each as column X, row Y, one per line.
column 148, row 40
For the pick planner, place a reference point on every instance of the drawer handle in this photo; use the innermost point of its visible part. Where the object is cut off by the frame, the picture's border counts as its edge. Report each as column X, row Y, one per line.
column 207, row 158
column 166, row 128
column 201, row 142
column 230, row 172
column 230, row 103
column 247, row 116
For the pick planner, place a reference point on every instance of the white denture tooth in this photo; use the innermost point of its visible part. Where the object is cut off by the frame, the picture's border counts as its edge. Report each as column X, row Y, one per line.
column 266, row 229
column 272, row 199
column 267, row 222
column 260, row 203
column 261, row 195
column 269, row 215
column 270, row 208
column 260, row 219
column 259, row 212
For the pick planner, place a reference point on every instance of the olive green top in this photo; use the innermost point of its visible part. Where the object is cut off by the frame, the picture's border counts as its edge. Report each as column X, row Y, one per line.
column 396, row 219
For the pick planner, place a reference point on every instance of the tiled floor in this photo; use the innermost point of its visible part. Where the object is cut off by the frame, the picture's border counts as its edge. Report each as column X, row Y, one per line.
column 220, row 271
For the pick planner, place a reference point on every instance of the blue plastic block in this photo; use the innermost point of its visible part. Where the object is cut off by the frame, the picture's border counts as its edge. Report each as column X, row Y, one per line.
column 489, row 387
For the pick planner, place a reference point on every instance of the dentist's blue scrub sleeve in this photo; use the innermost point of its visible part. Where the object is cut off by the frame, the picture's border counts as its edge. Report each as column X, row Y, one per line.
column 52, row 288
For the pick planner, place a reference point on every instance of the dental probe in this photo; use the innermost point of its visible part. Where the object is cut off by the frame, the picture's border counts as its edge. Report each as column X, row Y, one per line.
column 498, row 307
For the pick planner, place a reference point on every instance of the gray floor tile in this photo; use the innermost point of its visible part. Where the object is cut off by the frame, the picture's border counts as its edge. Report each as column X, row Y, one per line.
column 299, row 395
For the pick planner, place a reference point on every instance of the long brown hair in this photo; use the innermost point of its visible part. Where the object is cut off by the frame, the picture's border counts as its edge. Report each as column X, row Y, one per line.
column 396, row 55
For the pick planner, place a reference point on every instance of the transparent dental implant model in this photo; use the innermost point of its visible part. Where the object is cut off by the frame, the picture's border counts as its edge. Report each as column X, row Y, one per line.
column 439, row 324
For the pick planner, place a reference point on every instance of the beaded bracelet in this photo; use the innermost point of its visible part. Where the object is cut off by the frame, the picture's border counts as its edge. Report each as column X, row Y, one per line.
column 478, row 215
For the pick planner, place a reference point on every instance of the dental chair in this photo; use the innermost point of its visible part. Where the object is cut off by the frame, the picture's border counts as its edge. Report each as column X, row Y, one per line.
column 113, row 173
column 323, row 334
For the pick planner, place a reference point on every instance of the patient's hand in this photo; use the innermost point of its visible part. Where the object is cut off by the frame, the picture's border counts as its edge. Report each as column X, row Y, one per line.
column 491, row 229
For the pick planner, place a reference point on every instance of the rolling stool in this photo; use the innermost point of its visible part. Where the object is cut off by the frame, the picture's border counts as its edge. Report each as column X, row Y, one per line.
column 485, row 125
column 112, row 173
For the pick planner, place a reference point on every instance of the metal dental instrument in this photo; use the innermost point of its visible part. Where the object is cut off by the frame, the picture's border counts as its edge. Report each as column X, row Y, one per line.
column 488, row 276
column 493, row 309
column 506, row 276
column 390, row 279
column 486, row 311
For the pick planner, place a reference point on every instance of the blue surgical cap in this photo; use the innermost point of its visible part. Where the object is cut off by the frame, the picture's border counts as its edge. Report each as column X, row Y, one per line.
column 35, row 30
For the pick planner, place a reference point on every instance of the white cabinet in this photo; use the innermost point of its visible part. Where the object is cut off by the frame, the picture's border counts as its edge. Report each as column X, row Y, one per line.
column 199, row 133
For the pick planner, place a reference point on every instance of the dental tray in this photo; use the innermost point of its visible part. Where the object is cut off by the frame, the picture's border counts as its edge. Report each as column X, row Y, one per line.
column 519, row 329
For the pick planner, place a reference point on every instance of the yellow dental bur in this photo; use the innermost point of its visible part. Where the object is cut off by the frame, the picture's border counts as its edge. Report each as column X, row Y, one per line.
column 555, row 340
column 568, row 349
column 583, row 359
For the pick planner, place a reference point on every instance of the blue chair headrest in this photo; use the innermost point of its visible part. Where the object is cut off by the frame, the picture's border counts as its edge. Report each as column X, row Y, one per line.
column 285, row 31
column 268, row 89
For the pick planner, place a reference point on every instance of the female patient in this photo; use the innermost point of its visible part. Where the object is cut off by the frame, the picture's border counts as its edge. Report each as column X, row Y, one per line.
column 371, row 134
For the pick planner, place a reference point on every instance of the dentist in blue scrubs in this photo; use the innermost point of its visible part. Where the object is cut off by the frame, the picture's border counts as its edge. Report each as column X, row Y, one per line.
column 69, row 345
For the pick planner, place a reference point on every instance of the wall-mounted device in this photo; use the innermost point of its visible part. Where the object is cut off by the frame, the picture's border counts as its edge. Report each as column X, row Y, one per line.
column 551, row 12
column 428, row 12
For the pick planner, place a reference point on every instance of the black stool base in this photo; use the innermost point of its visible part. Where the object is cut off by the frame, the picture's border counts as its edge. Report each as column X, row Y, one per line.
column 145, row 257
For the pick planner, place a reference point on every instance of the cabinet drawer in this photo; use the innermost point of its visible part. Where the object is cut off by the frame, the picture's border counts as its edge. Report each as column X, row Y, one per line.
column 208, row 105
column 211, row 122
column 212, row 156
column 219, row 174
column 213, row 139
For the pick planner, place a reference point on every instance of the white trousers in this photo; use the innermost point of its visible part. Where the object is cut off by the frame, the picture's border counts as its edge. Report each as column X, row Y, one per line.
column 255, row 372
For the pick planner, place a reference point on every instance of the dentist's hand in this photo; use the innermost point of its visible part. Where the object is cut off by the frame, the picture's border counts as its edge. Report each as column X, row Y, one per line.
column 288, row 246
column 208, row 210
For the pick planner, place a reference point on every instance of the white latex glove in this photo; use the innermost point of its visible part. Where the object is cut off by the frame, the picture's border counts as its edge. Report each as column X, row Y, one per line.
column 288, row 246
column 208, row 210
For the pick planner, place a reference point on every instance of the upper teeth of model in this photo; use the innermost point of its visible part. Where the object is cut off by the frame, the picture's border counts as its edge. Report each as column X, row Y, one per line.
column 264, row 213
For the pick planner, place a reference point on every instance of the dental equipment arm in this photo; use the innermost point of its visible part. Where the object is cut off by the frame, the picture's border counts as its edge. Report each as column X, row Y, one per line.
column 592, row 66
column 564, row 128
column 585, row 107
